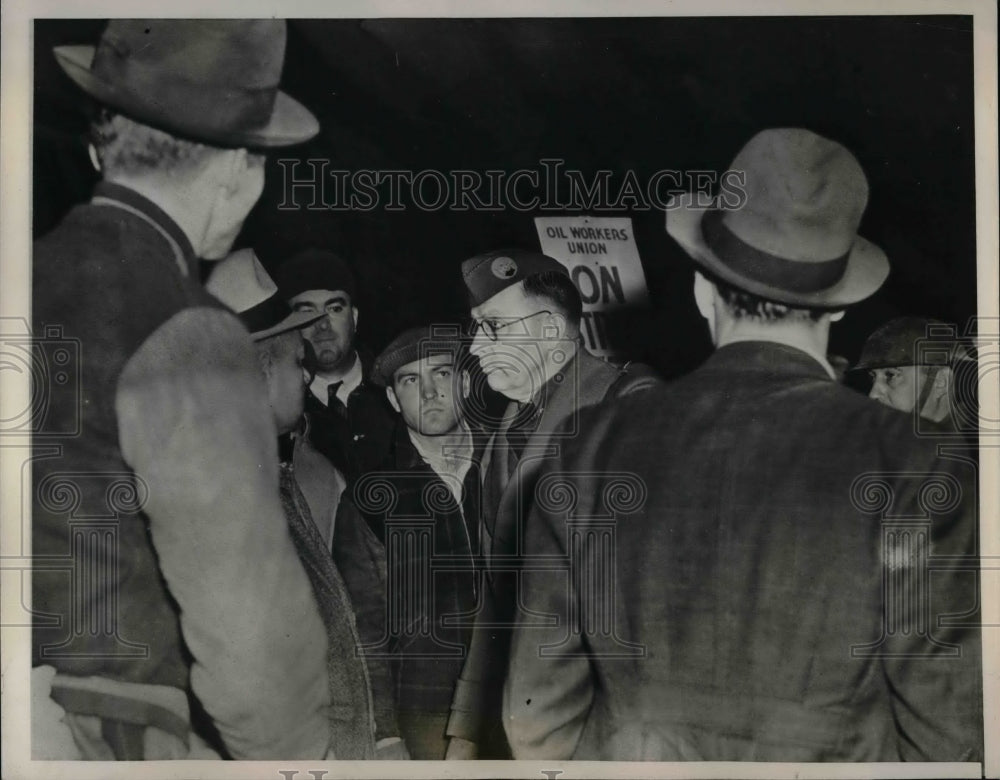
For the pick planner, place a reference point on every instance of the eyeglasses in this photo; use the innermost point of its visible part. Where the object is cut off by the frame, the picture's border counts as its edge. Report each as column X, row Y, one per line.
column 491, row 327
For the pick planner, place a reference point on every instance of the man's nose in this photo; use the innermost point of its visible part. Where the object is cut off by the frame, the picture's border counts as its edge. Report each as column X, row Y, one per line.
column 428, row 390
column 877, row 393
column 324, row 323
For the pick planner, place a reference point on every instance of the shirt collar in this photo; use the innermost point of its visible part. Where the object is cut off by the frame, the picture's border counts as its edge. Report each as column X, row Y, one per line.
column 351, row 381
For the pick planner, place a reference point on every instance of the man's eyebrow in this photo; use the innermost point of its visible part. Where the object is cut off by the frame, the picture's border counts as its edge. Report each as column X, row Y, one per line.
column 403, row 374
column 336, row 299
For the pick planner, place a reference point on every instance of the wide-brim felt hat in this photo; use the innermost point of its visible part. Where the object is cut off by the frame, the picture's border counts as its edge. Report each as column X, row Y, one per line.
column 793, row 238
column 242, row 283
column 209, row 80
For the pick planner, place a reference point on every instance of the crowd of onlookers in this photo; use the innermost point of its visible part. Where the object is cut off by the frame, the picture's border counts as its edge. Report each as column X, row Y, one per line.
column 483, row 542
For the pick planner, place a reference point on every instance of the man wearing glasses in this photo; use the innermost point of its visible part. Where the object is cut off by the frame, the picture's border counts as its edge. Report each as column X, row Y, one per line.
column 526, row 335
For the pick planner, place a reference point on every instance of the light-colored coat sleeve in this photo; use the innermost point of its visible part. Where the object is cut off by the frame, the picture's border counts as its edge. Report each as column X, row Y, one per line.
column 195, row 426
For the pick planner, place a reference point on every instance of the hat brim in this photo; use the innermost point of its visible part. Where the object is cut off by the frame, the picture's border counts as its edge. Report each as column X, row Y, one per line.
column 290, row 122
column 293, row 321
column 866, row 271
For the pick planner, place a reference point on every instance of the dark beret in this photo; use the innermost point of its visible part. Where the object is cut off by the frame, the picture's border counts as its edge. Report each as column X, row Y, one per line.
column 491, row 272
column 314, row 269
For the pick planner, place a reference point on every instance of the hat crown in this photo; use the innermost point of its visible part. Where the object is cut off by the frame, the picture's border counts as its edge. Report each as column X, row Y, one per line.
column 238, row 53
column 489, row 273
column 805, row 196
column 211, row 80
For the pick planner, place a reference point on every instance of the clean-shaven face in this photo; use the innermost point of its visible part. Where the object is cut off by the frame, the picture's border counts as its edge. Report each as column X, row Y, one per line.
column 514, row 363
column 332, row 336
column 424, row 393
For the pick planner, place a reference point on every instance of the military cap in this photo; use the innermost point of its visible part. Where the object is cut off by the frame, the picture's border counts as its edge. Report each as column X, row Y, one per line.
column 491, row 272
column 896, row 344
column 412, row 345
column 314, row 269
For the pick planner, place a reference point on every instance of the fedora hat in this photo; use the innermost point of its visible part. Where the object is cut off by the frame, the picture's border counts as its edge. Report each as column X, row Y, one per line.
column 241, row 283
column 795, row 238
column 209, row 80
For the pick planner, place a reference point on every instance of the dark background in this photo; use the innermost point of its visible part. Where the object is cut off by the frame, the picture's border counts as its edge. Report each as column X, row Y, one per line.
column 619, row 94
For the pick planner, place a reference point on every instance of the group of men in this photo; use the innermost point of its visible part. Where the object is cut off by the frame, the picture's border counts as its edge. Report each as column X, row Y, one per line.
column 320, row 555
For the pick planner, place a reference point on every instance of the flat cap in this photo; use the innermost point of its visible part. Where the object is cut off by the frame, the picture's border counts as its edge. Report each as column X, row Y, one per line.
column 912, row 341
column 491, row 272
column 314, row 269
column 412, row 345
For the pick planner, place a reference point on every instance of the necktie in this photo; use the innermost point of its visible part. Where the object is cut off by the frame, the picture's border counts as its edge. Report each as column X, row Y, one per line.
column 333, row 403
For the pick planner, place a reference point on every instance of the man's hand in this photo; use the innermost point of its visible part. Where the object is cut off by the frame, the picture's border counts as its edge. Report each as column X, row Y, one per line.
column 461, row 750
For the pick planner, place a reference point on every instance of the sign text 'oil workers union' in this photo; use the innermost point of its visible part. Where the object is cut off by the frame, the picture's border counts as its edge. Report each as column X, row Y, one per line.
column 603, row 261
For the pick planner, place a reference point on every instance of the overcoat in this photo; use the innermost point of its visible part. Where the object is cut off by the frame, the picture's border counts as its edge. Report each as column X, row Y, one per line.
column 762, row 565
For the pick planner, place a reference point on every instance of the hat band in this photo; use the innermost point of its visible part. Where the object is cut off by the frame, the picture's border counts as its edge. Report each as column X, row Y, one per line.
column 265, row 314
column 765, row 268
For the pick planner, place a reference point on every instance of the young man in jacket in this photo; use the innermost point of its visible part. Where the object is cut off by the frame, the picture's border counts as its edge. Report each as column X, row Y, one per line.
column 432, row 527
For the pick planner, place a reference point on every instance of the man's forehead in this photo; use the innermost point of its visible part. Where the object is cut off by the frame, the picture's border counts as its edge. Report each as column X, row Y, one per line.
column 312, row 295
column 436, row 359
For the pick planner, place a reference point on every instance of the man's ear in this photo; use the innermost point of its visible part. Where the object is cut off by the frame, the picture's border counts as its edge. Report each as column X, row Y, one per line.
column 393, row 401
column 555, row 326
column 354, row 313
column 837, row 316
column 95, row 160
column 942, row 381
column 466, row 385
column 704, row 296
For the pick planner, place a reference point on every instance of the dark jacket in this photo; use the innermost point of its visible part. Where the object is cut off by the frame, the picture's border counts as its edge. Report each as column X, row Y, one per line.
column 744, row 612
column 357, row 439
column 432, row 544
column 509, row 470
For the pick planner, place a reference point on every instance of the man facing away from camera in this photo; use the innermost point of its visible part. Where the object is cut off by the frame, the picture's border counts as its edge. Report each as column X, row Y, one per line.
column 727, row 535
column 195, row 587
column 526, row 315
column 433, row 475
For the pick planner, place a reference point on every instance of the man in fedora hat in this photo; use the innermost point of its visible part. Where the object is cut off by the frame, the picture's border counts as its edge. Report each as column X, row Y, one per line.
column 349, row 585
column 917, row 365
column 526, row 315
column 349, row 419
column 192, row 584
column 730, row 605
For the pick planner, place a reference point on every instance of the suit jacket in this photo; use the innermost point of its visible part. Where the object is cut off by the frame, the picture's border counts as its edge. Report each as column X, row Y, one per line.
column 508, row 491
column 733, row 524
column 357, row 439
